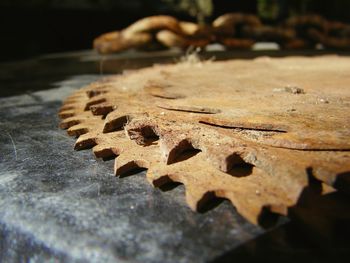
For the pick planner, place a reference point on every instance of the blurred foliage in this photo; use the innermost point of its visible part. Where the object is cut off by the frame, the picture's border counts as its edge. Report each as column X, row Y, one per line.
column 279, row 9
column 200, row 9
column 268, row 9
column 301, row 6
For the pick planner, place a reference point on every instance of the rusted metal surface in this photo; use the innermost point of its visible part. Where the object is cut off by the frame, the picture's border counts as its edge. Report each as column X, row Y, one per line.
column 252, row 131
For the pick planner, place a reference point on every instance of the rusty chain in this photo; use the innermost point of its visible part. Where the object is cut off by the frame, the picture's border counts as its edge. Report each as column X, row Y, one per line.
column 233, row 30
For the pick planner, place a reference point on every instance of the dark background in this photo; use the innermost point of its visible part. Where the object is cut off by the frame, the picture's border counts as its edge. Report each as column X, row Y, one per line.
column 32, row 27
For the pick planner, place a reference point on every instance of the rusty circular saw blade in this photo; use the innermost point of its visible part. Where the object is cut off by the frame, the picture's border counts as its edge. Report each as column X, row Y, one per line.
column 251, row 131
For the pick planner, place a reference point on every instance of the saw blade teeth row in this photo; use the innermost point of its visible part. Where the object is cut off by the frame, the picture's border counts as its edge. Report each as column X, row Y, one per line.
column 197, row 194
column 172, row 145
column 127, row 160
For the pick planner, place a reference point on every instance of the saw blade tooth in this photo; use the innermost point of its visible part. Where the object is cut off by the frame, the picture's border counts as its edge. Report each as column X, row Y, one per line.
column 94, row 101
column 176, row 148
column 95, row 92
column 132, row 155
column 197, row 197
column 115, row 120
column 143, row 133
column 85, row 141
column 66, row 114
column 253, row 209
column 102, row 108
column 103, row 151
column 124, row 164
column 75, row 97
column 66, row 107
column 69, row 122
column 78, row 129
